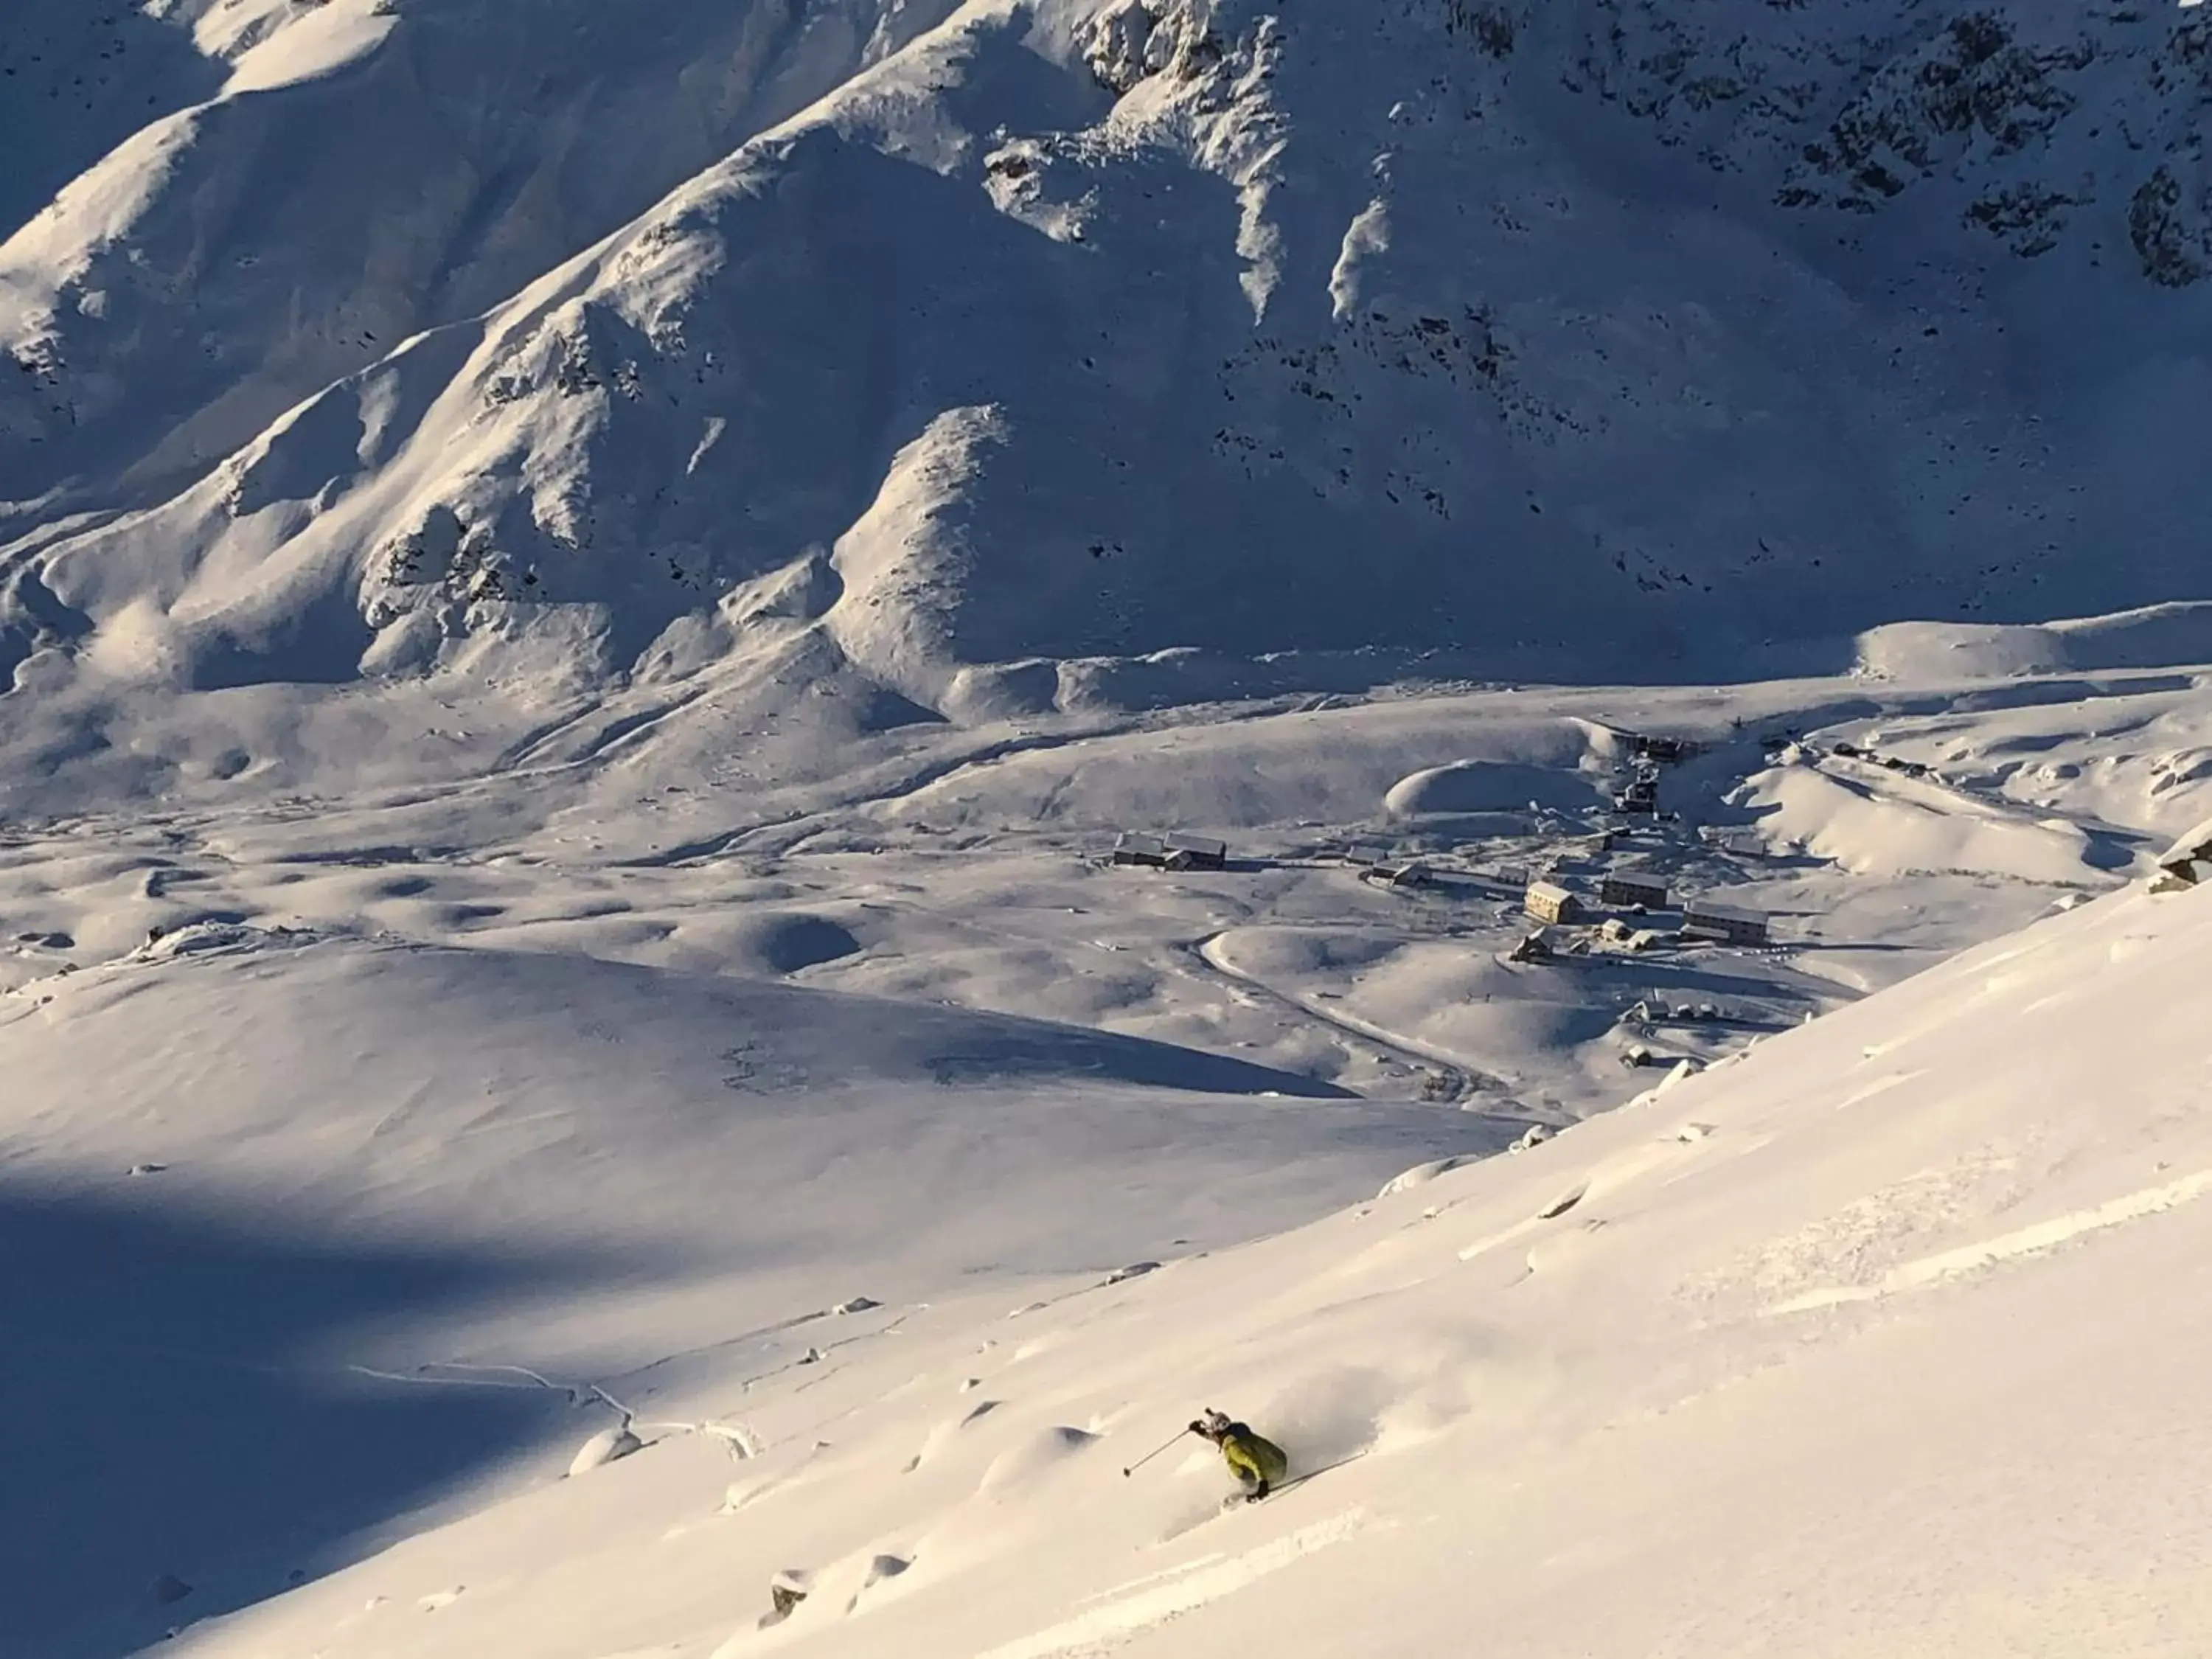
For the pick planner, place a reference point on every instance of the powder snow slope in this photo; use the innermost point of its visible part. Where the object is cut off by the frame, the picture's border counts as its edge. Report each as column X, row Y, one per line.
column 285, row 1207
column 1887, row 1338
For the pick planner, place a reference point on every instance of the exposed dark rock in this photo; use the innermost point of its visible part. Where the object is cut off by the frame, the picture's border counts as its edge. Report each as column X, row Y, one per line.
column 2171, row 226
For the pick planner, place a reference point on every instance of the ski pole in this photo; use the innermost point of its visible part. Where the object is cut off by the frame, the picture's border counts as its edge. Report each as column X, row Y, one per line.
column 1155, row 1452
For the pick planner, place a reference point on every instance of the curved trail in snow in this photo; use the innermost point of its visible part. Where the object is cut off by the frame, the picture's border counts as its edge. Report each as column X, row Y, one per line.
column 1388, row 1044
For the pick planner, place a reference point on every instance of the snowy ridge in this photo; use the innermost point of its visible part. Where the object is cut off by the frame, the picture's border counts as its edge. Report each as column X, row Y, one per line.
column 1601, row 335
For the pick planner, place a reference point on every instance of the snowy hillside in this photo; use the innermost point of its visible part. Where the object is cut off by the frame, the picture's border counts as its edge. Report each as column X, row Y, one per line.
column 1588, row 340
column 1888, row 1337
column 589, row 1149
column 757, row 760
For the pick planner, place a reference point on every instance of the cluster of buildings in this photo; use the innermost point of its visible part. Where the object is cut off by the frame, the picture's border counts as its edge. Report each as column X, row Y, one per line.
column 1639, row 797
column 1554, row 904
column 1628, row 895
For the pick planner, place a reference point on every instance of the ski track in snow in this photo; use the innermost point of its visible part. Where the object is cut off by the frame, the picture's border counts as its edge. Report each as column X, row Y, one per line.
column 1359, row 1030
column 1103, row 1628
column 2031, row 1241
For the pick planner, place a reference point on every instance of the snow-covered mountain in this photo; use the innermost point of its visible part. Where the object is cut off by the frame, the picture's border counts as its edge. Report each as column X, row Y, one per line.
column 586, row 590
column 926, row 343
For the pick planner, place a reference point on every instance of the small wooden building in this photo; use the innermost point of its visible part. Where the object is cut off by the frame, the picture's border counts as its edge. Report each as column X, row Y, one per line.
column 2187, row 862
column 1397, row 872
column 1534, row 946
column 1548, row 902
column 1728, row 922
column 1626, row 935
column 1641, row 795
column 1196, row 852
column 1171, row 852
column 1132, row 846
column 1634, row 887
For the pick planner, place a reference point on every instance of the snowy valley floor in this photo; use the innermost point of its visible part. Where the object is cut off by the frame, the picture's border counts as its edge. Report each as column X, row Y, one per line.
column 906, row 1170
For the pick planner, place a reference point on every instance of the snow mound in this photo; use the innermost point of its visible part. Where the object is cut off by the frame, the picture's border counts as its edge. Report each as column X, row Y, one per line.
column 1421, row 1173
column 1477, row 786
column 2185, row 860
column 683, row 1086
column 1871, row 820
column 605, row 1446
column 2149, row 636
column 1038, row 1458
column 200, row 938
column 787, row 942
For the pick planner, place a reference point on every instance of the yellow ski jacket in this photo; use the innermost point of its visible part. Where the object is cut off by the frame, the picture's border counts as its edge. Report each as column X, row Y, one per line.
column 1251, row 1459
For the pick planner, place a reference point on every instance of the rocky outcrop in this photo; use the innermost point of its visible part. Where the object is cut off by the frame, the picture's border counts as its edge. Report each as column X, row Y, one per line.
column 1132, row 41
column 1972, row 87
column 2170, row 226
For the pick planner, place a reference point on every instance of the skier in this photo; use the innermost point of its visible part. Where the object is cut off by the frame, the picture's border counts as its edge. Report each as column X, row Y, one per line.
column 1258, row 1463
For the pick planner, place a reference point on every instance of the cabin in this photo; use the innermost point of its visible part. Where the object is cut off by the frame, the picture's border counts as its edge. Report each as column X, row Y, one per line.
column 1402, row 874
column 1632, row 888
column 2187, row 862
column 1196, row 852
column 1738, row 840
column 1625, row 935
column 1641, row 795
column 1548, row 902
column 1149, row 852
column 1729, row 923
column 1536, row 946
column 1665, row 751
column 1174, row 852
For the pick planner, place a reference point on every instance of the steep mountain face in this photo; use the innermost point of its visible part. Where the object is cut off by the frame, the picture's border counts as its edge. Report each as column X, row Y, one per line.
column 1586, row 339
column 321, row 179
